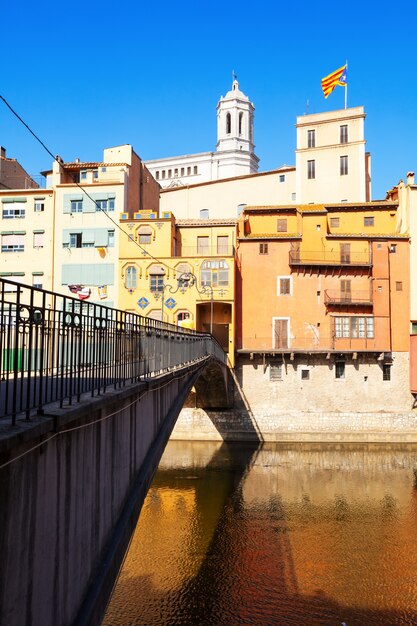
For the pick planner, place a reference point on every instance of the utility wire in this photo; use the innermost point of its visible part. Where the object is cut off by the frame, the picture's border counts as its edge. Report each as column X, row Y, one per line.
column 55, row 158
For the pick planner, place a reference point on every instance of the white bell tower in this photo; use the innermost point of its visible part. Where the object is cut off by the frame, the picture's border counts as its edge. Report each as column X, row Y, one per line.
column 235, row 148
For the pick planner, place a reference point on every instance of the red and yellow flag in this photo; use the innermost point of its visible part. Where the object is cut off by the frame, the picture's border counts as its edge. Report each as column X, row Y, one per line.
column 339, row 77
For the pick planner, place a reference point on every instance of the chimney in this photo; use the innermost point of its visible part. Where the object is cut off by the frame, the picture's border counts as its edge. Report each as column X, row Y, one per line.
column 2, row 152
column 410, row 178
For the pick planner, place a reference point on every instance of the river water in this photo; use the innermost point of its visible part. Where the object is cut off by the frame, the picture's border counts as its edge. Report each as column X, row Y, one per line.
column 232, row 534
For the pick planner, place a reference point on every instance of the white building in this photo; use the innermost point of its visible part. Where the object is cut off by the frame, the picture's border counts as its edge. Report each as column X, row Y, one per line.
column 331, row 167
column 234, row 155
column 331, row 162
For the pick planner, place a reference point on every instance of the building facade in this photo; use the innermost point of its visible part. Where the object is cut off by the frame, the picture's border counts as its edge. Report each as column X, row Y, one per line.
column 181, row 272
column 27, row 236
column 323, row 306
column 12, row 174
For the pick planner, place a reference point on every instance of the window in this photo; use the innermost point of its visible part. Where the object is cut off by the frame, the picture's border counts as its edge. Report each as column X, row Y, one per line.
column 344, row 133
column 182, row 171
column 386, row 371
column 305, row 374
column 293, row 196
column 110, row 238
column 263, row 248
column 169, row 173
column 393, row 248
column 275, row 371
column 282, row 178
column 398, row 286
column 204, row 214
column 183, row 317
column 311, row 170
column 145, row 235
column 354, row 327
column 202, row 245
column 13, row 210
column 339, row 369
column 311, row 138
column 346, row 290
column 157, row 277
column 37, row 281
column 13, row 243
column 222, row 244
column 76, row 206
column 280, row 332
column 176, row 173
column 38, row 239
column 157, row 175
column 131, row 277
column 163, row 174
column 240, row 123
column 345, row 253
column 228, row 124
column 214, row 274
column 105, row 205
column 39, row 207
column 282, row 225
column 76, row 240
column 368, row 221
column 195, row 171
column 183, row 272
column 343, row 165
column 284, row 286
column 334, row 222
column 188, row 171
column 157, row 283
column 83, row 175
column 414, row 328
column 95, row 174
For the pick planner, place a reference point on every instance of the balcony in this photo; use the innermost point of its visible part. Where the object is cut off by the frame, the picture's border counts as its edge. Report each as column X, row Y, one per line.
column 336, row 298
column 329, row 258
column 312, row 345
column 206, row 251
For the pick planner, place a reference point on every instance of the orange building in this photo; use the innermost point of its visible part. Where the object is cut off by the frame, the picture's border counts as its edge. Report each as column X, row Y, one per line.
column 323, row 297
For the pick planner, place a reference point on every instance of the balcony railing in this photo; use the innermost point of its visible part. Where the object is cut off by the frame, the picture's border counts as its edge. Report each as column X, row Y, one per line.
column 332, row 258
column 311, row 345
column 207, row 251
column 333, row 297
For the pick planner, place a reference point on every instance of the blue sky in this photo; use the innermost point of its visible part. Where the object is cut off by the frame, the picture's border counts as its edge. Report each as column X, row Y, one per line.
column 86, row 76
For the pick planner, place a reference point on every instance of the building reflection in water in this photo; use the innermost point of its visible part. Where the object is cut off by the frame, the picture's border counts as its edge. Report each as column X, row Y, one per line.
column 283, row 534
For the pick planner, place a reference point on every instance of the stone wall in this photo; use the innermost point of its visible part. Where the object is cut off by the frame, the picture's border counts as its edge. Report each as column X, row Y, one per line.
column 361, row 407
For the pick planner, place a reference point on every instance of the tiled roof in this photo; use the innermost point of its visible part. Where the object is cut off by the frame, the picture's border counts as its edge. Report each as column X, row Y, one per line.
column 368, row 236
column 89, row 165
column 207, row 222
column 311, row 208
column 271, row 236
column 270, row 208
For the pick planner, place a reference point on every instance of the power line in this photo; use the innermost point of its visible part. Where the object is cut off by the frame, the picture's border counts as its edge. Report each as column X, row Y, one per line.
column 55, row 158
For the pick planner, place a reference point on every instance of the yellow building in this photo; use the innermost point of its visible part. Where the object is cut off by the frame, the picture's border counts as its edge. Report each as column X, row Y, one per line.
column 181, row 272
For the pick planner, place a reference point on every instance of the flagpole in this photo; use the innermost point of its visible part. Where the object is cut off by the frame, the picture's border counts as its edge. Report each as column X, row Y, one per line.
column 346, row 86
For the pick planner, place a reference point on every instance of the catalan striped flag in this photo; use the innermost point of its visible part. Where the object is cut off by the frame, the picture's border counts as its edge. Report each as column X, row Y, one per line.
column 339, row 77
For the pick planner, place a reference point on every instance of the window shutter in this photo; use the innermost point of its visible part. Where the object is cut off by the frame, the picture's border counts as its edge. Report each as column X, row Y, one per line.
column 101, row 237
column 88, row 206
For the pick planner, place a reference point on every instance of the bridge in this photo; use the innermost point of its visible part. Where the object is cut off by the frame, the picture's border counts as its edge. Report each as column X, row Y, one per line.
column 89, row 396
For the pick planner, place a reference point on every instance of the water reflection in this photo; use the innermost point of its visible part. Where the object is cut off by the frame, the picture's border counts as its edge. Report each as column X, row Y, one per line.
column 306, row 534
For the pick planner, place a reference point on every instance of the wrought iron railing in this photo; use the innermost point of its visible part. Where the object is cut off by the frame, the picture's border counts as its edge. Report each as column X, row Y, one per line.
column 347, row 298
column 333, row 257
column 54, row 348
